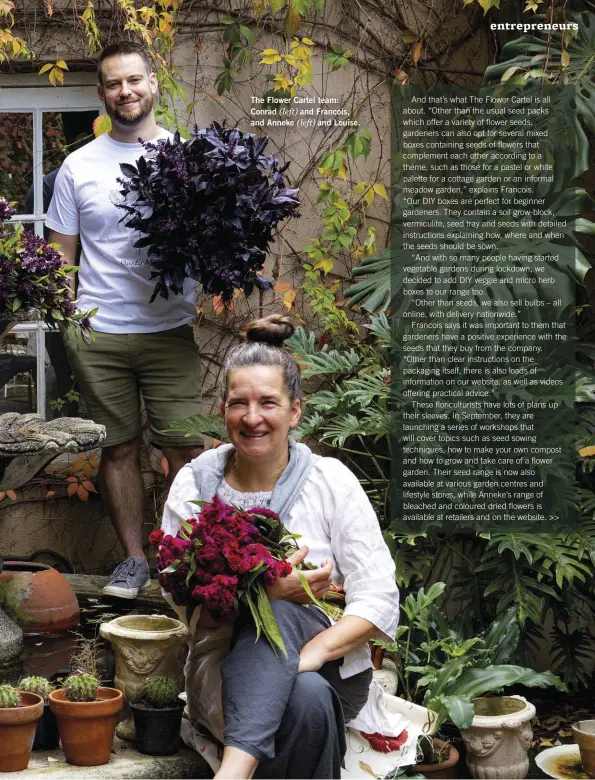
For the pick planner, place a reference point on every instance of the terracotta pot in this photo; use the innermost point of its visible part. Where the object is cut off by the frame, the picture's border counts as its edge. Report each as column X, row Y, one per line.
column 87, row 727
column 17, row 732
column 145, row 645
column 499, row 738
column 38, row 598
column 445, row 770
column 584, row 736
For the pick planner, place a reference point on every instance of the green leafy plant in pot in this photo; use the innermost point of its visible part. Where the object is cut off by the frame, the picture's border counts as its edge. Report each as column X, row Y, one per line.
column 443, row 665
column 157, row 714
column 87, row 715
column 19, row 713
column 46, row 733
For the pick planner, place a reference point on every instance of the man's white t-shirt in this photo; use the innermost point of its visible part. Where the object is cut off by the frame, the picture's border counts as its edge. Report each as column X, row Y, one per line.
column 113, row 275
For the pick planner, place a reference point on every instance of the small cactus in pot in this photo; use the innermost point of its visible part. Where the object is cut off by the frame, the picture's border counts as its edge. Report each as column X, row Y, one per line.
column 160, row 692
column 38, row 685
column 157, row 714
column 46, row 733
column 9, row 697
column 81, row 687
column 20, row 712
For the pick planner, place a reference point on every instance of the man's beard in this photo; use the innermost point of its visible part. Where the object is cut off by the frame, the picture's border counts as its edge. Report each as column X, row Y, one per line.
column 144, row 108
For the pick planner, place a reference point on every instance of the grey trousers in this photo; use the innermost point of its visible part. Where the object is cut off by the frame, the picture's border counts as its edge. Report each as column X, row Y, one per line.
column 292, row 723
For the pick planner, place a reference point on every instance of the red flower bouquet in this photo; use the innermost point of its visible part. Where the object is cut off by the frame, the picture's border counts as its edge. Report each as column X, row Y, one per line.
column 224, row 558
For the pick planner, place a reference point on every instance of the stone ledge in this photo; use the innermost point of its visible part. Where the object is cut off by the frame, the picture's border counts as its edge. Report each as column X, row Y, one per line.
column 92, row 585
column 125, row 762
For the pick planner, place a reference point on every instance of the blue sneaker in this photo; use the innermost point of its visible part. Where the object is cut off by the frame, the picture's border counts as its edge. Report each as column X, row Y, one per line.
column 127, row 578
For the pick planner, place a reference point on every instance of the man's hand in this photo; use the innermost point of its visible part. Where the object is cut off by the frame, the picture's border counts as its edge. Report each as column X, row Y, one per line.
column 291, row 589
column 68, row 247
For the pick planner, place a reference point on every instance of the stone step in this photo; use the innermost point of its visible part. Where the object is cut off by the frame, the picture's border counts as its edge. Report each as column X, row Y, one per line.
column 125, row 762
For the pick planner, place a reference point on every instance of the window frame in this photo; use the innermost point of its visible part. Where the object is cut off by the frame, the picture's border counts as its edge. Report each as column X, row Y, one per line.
column 40, row 100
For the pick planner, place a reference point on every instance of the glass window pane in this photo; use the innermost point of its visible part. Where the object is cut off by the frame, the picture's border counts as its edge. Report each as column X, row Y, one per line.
column 63, row 133
column 18, row 372
column 16, row 156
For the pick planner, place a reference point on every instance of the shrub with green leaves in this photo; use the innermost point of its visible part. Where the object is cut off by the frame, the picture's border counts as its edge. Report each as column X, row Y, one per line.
column 444, row 666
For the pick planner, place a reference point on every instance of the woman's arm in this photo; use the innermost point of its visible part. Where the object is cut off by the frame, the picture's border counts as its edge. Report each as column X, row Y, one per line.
column 338, row 640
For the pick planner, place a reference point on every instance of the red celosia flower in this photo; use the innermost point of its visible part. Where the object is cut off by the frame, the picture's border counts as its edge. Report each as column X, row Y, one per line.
column 212, row 558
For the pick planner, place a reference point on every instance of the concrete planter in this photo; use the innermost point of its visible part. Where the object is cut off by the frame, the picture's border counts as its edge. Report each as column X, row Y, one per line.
column 499, row 738
column 584, row 736
column 145, row 645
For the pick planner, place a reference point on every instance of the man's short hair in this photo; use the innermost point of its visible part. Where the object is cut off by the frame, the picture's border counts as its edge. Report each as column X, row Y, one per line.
column 123, row 47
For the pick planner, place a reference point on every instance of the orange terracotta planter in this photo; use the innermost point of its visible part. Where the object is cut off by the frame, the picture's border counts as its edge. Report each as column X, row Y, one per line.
column 87, row 727
column 17, row 732
column 38, row 598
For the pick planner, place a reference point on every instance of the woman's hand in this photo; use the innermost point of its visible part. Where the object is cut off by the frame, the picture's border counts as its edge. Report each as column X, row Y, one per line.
column 291, row 589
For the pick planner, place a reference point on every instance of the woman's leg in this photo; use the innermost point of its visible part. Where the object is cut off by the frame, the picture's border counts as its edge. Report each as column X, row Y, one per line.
column 257, row 685
column 310, row 742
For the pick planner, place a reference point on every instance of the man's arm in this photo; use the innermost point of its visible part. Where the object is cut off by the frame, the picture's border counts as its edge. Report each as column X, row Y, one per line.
column 68, row 247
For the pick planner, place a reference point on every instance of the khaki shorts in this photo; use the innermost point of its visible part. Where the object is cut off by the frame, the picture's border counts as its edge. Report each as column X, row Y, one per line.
column 115, row 369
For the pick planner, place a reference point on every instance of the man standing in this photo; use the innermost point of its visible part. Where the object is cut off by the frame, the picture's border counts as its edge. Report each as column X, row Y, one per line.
column 139, row 348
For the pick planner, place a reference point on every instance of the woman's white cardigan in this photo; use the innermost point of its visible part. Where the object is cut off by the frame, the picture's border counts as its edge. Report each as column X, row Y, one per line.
column 336, row 520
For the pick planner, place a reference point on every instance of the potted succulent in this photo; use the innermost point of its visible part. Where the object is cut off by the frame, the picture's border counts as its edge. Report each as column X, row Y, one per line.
column 447, row 667
column 19, row 713
column 157, row 714
column 87, row 715
column 436, row 758
column 46, row 733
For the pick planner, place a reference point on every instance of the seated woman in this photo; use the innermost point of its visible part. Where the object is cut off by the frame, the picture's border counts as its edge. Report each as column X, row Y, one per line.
column 284, row 717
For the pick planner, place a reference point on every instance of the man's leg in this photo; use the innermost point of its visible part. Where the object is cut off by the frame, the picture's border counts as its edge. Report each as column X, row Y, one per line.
column 122, row 490
column 110, row 388
column 168, row 368
column 176, row 458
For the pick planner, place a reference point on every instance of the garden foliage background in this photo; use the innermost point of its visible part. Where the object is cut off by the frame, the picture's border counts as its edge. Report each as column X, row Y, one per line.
column 331, row 268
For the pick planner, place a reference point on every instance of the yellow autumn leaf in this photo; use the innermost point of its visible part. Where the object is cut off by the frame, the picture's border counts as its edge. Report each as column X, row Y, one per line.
column 369, row 196
column 56, row 76
column 45, row 68
column 380, row 189
column 565, row 59
column 101, row 125
column 366, row 768
column 292, row 22
column 308, row 42
column 325, row 264
column 587, row 452
column 360, row 187
column 289, row 298
column 416, row 52
column 62, row 64
column 342, row 172
column 270, row 59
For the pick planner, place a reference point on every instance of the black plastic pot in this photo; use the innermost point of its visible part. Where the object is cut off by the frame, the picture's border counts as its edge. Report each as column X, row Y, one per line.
column 46, row 734
column 157, row 731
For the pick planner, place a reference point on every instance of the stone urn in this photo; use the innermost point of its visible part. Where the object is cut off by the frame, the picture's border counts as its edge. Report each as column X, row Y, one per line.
column 499, row 738
column 145, row 646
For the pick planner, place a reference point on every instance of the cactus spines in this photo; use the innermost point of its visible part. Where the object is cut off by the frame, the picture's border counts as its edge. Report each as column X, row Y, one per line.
column 81, row 687
column 9, row 697
column 38, row 685
column 161, row 692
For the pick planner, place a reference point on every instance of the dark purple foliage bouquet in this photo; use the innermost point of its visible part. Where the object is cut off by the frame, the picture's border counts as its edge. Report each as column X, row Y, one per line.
column 32, row 276
column 207, row 208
